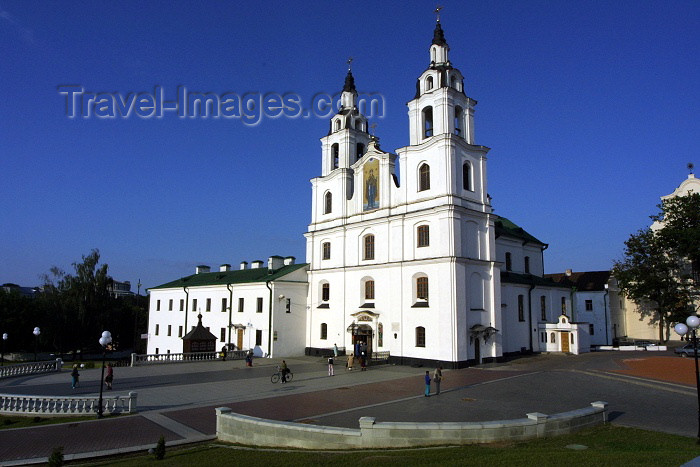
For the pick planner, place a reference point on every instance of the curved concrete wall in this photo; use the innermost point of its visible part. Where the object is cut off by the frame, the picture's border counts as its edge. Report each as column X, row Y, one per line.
column 236, row 428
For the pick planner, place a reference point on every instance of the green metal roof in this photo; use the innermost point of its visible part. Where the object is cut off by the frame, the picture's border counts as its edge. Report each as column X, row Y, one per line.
column 238, row 276
column 508, row 228
column 530, row 279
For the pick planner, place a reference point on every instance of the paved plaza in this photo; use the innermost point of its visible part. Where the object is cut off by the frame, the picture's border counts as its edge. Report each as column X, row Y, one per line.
column 644, row 389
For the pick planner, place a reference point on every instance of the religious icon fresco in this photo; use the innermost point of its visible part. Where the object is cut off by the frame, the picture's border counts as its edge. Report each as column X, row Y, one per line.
column 370, row 198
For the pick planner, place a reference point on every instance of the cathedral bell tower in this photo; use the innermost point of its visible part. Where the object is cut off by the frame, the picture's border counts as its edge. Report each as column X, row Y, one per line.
column 347, row 140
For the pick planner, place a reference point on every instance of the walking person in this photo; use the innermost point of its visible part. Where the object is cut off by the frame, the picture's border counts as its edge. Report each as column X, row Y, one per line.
column 351, row 361
column 437, row 378
column 335, row 350
column 427, row 383
column 223, row 353
column 110, row 376
column 75, row 376
column 363, row 361
column 330, row 366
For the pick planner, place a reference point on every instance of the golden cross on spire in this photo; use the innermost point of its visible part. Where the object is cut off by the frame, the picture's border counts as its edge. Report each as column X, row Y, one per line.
column 437, row 12
column 349, row 62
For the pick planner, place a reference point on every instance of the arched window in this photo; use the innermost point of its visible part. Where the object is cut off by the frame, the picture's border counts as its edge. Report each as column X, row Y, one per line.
column 358, row 125
column 328, row 207
column 521, row 308
column 337, row 125
column 527, row 265
column 424, row 177
column 369, row 247
column 369, row 290
column 459, row 118
column 325, row 291
column 420, row 336
column 360, row 150
column 324, row 331
column 467, row 176
column 326, row 246
column 423, row 235
column 453, row 82
column 563, row 305
column 428, row 83
column 543, row 307
column 509, row 262
column 422, row 288
column 335, row 153
column 552, row 338
column 427, row 122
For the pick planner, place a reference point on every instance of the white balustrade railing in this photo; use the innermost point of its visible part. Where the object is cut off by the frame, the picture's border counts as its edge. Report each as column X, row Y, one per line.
column 15, row 404
column 31, row 368
column 155, row 358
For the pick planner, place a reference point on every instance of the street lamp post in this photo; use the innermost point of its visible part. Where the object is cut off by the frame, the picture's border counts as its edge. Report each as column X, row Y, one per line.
column 36, row 333
column 691, row 324
column 2, row 357
column 105, row 340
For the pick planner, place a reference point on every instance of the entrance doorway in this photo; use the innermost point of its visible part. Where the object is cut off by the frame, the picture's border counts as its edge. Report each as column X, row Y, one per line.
column 365, row 335
column 239, row 340
column 564, row 336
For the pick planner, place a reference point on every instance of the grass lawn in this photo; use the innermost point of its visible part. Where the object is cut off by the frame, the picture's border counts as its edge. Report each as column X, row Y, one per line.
column 602, row 446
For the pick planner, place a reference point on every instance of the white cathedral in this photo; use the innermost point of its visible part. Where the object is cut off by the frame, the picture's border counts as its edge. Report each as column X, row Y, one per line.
column 420, row 268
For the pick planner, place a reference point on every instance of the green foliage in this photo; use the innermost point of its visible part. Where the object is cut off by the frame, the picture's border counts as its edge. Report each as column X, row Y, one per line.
column 159, row 452
column 72, row 310
column 681, row 231
column 652, row 279
column 56, row 458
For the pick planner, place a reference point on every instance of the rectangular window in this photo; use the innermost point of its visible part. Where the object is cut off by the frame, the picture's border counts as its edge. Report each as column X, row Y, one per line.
column 288, row 306
column 223, row 334
column 420, row 336
column 589, row 305
column 509, row 262
column 369, row 247
column 325, row 292
column 170, row 305
column 179, row 332
column 157, row 305
column 208, row 304
column 527, row 265
column 369, row 290
column 194, row 304
column 157, row 350
column 591, row 329
column 157, row 328
column 326, row 250
column 258, row 337
column 422, row 288
column 324, row 331
column 563, row 305
column 182, row 304
column 543, row 307
column 260, row 305
column 521, row 308
column 169, row 330
column 240, row 305
column 223, row 304
column 423, row 236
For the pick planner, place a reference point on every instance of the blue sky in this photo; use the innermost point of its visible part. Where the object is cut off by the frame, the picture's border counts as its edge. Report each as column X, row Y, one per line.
column 590, row 109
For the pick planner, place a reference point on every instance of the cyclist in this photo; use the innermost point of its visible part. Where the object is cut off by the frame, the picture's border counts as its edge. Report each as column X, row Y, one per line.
column 284, row 369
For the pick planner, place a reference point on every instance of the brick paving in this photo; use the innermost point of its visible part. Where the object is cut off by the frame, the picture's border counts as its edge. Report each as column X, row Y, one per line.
column 323, row 396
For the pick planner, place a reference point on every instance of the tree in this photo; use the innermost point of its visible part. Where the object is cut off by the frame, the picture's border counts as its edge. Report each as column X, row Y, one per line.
column 653, row 279
column 680, row 232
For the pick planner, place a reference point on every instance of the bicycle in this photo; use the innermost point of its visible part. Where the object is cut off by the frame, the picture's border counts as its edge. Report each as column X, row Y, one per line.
column 277, row 377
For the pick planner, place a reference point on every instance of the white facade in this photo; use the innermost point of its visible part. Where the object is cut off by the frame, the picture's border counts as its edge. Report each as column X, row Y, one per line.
column 250, row 308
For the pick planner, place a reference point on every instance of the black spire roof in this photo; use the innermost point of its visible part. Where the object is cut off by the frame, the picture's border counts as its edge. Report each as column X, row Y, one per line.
column 349, row 83
column 439, row 35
